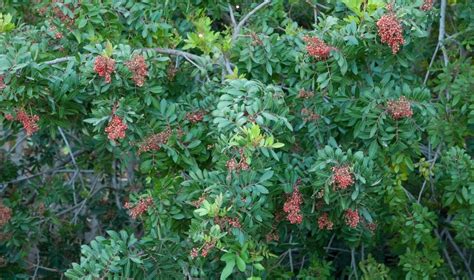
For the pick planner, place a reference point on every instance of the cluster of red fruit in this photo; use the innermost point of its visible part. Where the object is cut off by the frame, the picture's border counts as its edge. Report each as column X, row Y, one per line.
column 342, row 177
column 104, row 67
column 390, row 31
column 309, row 115
column 324, row 222
column 116, row 128
column 317, row 48
column 5, row 215
column 197, row 203
column 154, row 142
column 208, row 246
column 58, row 13
column 138, row 68
column 352, row 218
column 233, row 165
column 305, row 94
column 140, row 208
column 400, row 108
column 226, row 223
column 29, row 122
column 427, row 5
column 292, row 206
column 2, row 83
column 195, row 117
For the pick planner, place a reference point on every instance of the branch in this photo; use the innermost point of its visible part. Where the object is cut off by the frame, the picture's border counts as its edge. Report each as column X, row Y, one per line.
column 232, row 18
column 456, row 248
column 158, row 50
column 442, row 31
column 246, row 18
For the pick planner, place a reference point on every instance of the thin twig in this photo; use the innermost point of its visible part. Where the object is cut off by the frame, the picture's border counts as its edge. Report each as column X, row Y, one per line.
column 246, row 18
column 446, row 255
column 73, row 159
column 456, row 248
column 232, row 18
column 438, row 150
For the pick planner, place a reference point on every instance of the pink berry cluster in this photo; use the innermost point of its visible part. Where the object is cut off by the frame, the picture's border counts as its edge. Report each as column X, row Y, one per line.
column 29, row 122
column 309, row 115
column 195, row 117
column 208, row 246
column 197, row 203
column 138, row 68
column 292, row 206
column 317, row 48
column 342, row 177
column 352, row 218
column 2, row 83
column 104, row 67
column 116, row 128
column 226, row 223
column 5, row 215
column 62, row 16
column 234, row 165
column 400, row 108
column 390, row 31
column 140, row 208
column 272, row 236
column 305, row 94
column 324, row 222
column 427, row 5
column 154, row 142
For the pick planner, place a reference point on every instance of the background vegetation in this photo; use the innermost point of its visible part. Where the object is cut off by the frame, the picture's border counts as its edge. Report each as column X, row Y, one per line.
column 207, row 139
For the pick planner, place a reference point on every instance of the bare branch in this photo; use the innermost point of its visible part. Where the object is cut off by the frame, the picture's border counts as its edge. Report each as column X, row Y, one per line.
column 158, row 50
column 456, row 248
column 442, row 31
column 246, row 18
column 232, row 18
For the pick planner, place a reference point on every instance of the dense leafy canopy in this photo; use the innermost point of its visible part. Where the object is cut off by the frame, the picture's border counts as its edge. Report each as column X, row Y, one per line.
column 208, row 139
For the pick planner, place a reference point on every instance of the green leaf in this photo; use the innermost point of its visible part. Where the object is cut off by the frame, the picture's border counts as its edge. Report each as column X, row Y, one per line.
column 240, row 263
column 227, row 271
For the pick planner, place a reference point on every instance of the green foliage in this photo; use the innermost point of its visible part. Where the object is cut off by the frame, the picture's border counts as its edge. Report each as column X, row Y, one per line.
column 209, row 139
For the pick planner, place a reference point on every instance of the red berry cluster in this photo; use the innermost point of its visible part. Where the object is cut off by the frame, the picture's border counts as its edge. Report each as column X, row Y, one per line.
column 272, row 236
column 116, row 128
column 390, row 31
column 305, row 94
column 2, row 83
column 226, row 223
column 171, row 71
column 233, row 165
column 256, row 41
column 197, row 203
column 5, row 215
column 140, row 208
column 208, row 246
column 104, row 67
column 9, row 117
column 342, row 177
column 62, row 16
column 154, row 142
column 317, row 48
column 195, row 117
column 194, row 253
column 29, row 122
column 352, row 218
column 138, row 68
column 372, row 226
column 309, row 115
column 292, row 206
column 324, row 222
column 427, row 5
column 400, row 108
